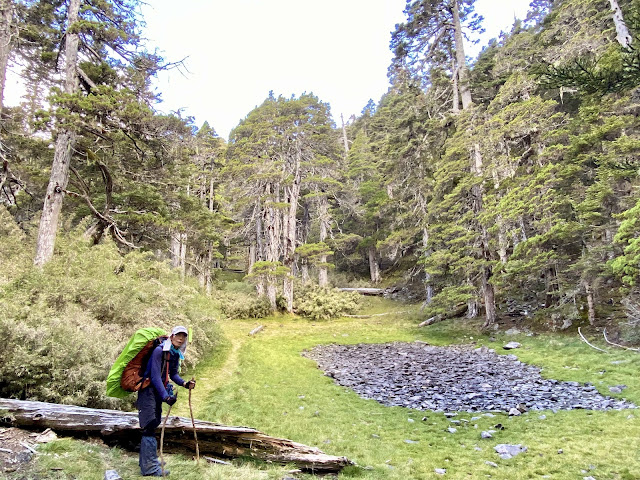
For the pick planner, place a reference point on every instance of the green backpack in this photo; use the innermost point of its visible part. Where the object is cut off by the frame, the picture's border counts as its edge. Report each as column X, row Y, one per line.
column 126, row 374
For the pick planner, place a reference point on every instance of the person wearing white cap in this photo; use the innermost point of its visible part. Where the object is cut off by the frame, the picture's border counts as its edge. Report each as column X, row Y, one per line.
column 163, row 365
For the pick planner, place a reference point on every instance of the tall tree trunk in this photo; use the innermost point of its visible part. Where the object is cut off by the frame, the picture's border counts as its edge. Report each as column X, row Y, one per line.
column 503, row 242
column 591, row 308
column 271, row 223
column 345, row 140
column 6, row 20
column 183, row 255
column 427, row 277
column 463, row 80
column 455, row 99
column 292, row 197
column 374, row 268
column 208, row 276
column 323, row 214
column 488, row 291
column 65, row 144
column 622, row 32
column 174, row 249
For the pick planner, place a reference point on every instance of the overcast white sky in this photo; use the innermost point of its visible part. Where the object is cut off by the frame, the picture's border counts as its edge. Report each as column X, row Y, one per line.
column 239, row 50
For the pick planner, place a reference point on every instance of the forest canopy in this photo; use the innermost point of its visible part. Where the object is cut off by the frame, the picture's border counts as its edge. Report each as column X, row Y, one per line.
column 505, row 185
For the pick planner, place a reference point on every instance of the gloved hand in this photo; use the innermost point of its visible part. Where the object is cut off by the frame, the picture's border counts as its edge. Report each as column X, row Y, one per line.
column 191, row 384
column 171, row 399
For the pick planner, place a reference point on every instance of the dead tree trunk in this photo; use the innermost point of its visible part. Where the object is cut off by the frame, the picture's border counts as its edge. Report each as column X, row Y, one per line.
column 463, row 80
column 374, row 267
column 65, row 143
column 6, row 20
column 122, row 428
column 323, row 214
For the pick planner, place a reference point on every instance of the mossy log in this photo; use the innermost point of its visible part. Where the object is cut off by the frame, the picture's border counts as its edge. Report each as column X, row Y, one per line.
column 122, row 428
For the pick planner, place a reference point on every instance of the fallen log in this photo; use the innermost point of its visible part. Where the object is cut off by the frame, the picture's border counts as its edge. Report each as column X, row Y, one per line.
column 122, row 428
column 365, row 291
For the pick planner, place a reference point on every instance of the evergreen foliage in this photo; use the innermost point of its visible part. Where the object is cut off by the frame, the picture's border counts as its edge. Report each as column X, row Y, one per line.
column 64, row 325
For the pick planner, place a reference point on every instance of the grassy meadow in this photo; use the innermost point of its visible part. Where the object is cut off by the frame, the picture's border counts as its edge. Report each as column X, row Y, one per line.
column 263, row 382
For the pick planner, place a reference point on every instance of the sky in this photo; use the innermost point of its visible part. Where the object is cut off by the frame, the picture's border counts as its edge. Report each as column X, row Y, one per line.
column 236, row 51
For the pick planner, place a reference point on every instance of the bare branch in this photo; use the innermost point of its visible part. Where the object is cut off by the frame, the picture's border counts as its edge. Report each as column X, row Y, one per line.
column 587, row 342
column 604, row 334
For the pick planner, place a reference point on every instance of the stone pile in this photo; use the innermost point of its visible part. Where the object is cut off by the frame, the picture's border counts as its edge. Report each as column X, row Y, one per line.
column 460, row 378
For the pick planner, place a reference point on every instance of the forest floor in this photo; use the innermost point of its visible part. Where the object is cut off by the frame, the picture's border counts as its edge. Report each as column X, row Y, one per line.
column 263, row 381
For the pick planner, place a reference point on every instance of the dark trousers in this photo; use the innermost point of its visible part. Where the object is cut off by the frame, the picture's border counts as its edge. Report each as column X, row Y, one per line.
column 149, row 411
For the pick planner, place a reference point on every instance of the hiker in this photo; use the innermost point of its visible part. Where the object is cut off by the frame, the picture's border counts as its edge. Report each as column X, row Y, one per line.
column 163, row 364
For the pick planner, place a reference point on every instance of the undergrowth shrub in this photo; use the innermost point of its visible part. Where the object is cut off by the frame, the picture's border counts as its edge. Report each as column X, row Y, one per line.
column 63, row 326
column 318, row 303
column 15, row 250
column 236, row 304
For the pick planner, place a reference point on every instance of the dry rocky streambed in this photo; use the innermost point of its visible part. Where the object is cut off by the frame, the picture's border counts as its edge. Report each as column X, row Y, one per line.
column 459, row 378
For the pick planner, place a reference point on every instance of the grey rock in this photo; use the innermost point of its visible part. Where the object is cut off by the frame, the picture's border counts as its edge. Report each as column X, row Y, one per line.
column 511, row 345
column 514, row 412
column 452, row 430
column 411, row 441
column 507, row 451
column 485, row 434
column 513, row 331
column 440, row 471
column 452, row 379
column 112, row 475
column 491, row 464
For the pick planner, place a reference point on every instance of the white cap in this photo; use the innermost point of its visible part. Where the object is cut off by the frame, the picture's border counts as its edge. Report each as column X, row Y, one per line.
column 179, row 329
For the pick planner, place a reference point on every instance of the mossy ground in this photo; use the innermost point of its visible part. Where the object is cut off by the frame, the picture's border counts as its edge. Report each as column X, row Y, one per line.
column 262, row 381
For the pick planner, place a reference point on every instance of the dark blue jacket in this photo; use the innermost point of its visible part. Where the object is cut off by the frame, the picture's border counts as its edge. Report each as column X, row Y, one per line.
column 154, row 371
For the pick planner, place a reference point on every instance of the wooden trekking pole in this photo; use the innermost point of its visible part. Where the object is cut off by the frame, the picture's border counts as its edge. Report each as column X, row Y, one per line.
column 162, row 465
column 193, row 424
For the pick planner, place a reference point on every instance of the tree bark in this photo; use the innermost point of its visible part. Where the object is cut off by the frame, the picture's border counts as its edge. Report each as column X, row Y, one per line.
column 463, row 81
column 374, row 268
column 65, row 144
column 323, row 214
column 292, row 197
column 427, row 276
column 345, row 140
column 591, row 309
column 622, row 32
column 271, row 223
column 122, row 428
column 6, row 20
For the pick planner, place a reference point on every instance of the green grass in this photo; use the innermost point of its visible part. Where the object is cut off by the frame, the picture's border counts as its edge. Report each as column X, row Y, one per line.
column 263, row 382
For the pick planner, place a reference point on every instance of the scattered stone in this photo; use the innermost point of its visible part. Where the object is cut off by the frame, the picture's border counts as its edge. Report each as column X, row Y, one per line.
column 452, row 430
column 112, row 475
column 491, row 464
column 485, row 434
column 542, row 417
column 588, row 478
column 411, row 441
column 560, row 451
column 617, row 388
column 513, row 331
column 452, row 379
column 373, row 435
column 512, row 345
column 514, row 412
column 47, row 436
column 507, row 451
column 498, row 426
column 410, row 420
column 455, row 422
column 440, row 471
column 424, row 419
